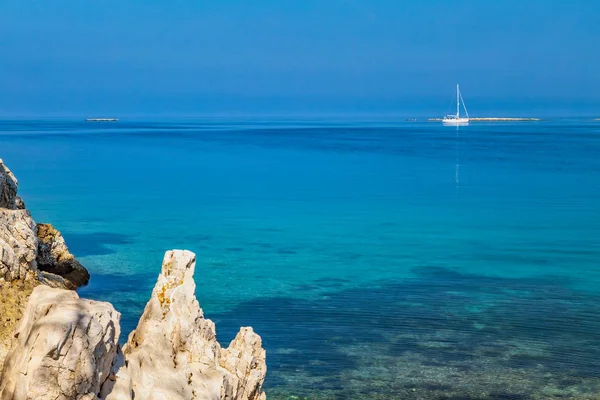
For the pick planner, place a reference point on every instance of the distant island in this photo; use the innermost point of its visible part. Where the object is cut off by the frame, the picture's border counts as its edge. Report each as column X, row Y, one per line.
column 500, row 119
column 102, row 119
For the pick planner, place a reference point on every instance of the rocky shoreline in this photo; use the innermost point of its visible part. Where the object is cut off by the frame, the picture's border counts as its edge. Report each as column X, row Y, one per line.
column 55, row 345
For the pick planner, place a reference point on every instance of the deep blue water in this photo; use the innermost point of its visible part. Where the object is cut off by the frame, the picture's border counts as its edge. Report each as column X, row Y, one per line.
column 377, row 260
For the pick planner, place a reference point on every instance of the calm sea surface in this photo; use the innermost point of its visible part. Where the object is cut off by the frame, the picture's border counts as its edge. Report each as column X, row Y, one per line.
column 396, row 260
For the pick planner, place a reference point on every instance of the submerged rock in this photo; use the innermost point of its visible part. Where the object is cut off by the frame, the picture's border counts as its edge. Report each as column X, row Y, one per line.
column 63, row 349
column 174, row 354
column 54, row 256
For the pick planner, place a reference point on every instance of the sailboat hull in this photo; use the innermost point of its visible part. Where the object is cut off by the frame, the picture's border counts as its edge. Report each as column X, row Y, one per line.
column 455, row 121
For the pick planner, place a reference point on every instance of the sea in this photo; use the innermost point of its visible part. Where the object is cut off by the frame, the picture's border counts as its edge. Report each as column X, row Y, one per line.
column 377, row 259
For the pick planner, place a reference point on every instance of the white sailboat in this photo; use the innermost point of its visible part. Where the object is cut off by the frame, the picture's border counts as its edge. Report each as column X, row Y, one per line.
column 456, row 119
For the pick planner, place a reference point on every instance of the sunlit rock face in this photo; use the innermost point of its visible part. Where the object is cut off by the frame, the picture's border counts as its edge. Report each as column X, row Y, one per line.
column 27, row 247
column 173, row 353
column 18, row 245
column 67, row 348
column 30, row 255
column 63, row 349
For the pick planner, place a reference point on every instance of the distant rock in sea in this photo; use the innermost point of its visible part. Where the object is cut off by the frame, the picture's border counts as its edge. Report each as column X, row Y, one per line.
column 69, row 346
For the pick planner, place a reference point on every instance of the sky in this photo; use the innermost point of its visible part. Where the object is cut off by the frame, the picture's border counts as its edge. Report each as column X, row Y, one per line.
column 134, row 57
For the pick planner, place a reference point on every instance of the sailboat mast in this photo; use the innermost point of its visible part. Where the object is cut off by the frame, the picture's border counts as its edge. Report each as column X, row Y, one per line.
column 457, row 102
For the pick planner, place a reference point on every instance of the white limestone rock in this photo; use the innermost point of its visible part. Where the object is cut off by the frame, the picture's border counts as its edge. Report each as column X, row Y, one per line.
column 18, row 244
column 8, row 188
column 63, row 349
column 244, row 359
column 21, row 250
column 26, row 247
column 174, row 354
column 66, row 348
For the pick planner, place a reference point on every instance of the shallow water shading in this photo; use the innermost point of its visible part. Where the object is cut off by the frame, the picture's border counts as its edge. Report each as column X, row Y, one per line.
column 441, row 334
column 398, row 261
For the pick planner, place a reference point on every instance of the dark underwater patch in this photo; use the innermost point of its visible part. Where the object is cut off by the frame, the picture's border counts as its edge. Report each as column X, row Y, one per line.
column 472, row 333
column 286, row 251
column 128, row 294
column 235, row 249
column 95, row 243
column 198, row 238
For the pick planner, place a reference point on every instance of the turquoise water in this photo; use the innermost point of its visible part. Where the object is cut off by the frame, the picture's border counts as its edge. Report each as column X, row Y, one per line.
column 376, row 259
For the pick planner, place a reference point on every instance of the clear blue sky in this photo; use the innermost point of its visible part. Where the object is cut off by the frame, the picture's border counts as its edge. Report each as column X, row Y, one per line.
column 181, row 57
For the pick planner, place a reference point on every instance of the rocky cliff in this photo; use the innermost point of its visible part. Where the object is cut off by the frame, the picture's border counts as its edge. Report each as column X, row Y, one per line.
column 65, row 347
column 174, row 354
column 29, row 256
